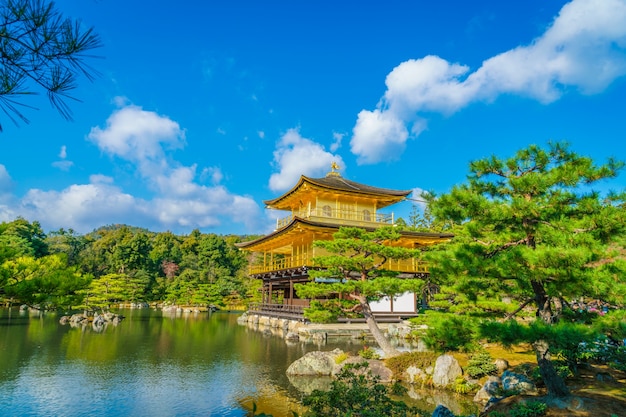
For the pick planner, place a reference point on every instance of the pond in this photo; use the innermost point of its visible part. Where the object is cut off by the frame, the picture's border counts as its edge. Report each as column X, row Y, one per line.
column 151, row 364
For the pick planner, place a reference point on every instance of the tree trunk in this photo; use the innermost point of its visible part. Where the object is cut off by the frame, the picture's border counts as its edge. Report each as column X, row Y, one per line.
column 372, row 325
column 542, row 301
column 554, row 383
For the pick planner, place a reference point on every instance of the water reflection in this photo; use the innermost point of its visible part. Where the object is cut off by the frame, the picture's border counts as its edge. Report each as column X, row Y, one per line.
column 151, row 364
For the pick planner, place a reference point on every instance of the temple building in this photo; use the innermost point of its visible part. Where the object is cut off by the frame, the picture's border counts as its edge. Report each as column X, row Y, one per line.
column 317, row 208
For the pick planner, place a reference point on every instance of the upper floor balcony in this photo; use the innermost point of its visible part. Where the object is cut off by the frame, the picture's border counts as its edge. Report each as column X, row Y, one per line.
column 341, row 217
column 412, row 266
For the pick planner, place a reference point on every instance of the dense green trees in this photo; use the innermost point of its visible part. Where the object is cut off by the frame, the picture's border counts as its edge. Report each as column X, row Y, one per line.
column 118, row 264
column 531, row 231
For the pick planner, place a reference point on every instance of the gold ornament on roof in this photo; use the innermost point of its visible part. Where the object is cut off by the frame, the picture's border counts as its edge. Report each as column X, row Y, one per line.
column 334, row 170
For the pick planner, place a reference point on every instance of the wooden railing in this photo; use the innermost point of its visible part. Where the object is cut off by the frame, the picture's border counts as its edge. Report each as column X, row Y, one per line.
column 281, row 264
column 350, row 216
column 403, row 265
column 278, row 310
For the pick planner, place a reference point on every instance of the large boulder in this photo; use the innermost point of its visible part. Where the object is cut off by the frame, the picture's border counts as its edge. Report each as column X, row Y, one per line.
column 315, row 363
column 501, row 365
column 447, row 369
column 489, row 390
column 375, row 366
column 415, row 375
column 442, row 411
column 518, row 383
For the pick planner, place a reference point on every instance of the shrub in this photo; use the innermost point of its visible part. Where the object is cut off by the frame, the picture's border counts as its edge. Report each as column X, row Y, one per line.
column 341, row 357
column 398, row 364
column 367, row 353
column 356, row 393
column 481, row 364
column 463, row 386
column 529, row 409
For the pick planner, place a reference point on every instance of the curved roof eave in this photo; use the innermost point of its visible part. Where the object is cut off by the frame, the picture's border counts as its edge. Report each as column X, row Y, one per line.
column 297, row 220
column 339, row 183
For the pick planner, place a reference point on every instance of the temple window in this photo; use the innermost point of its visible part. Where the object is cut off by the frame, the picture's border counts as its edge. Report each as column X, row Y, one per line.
column 366, row 216
column 327, row 211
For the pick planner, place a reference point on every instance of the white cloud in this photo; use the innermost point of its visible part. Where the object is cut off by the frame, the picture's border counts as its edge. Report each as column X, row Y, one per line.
column 416, row 198
column 6, row 185
column 295, row 156
column 175, row 201
column 584, row 48
column 137, row 135
column 337, row 138
column 261, row 134
column 63, row 164
column 83, row 207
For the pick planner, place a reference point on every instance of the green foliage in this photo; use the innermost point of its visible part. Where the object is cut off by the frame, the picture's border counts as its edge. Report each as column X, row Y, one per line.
column 463, row 386
column 398, row 364
column 355, row 392
column 448, row 332
column 341, row 357
column 529, row 409
column 327, row 311
column 480, row 364
column 368, row 353
column 41, row 47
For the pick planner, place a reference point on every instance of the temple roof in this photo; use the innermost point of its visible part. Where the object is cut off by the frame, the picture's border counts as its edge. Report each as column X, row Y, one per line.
column 298, row 224
column 333, row 182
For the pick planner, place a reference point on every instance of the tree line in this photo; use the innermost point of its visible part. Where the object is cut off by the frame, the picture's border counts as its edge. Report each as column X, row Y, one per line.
column 119, row 264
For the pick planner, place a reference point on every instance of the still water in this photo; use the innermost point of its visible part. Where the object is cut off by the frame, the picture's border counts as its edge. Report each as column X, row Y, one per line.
column 151, row 364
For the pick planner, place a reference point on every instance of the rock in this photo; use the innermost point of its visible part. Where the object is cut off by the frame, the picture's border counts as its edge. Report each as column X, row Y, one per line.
column 375, row 366
column 315, row 363
column 292, row 336
column 243, row 319
column 502, row 365
column 442, row 411
column 489, row 390
column 415, row 375
column 77, row 319
column 518, row 383
column 447, row 369
column 319, row 337
column 604, row 377
column 64, row 320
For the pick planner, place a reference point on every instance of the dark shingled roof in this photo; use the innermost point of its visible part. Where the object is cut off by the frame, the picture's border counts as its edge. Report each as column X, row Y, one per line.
column 337, row 182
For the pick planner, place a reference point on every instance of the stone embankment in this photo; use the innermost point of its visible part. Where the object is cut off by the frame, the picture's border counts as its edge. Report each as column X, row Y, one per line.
column 295, row 330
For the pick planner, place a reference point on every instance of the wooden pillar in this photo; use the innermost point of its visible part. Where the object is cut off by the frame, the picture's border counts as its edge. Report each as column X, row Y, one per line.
column 269, row 297
column 290, row 292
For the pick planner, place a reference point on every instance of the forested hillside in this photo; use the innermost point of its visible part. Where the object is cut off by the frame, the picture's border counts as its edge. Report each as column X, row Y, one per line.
column 119, row 264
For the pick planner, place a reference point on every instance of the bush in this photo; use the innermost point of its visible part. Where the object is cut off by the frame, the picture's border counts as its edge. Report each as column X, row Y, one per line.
column 529, row 409
column 481, row 364
column 398, row 364
column 355, row 392
column 367, row 353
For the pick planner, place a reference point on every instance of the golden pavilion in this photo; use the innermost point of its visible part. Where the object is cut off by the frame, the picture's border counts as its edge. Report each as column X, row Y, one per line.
column 317, row 208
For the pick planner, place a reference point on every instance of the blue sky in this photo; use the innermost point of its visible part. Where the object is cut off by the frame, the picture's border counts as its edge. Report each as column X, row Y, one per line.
column 204, row 109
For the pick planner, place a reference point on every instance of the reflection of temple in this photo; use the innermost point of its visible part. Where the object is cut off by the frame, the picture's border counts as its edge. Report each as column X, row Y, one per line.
column 317, row 208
